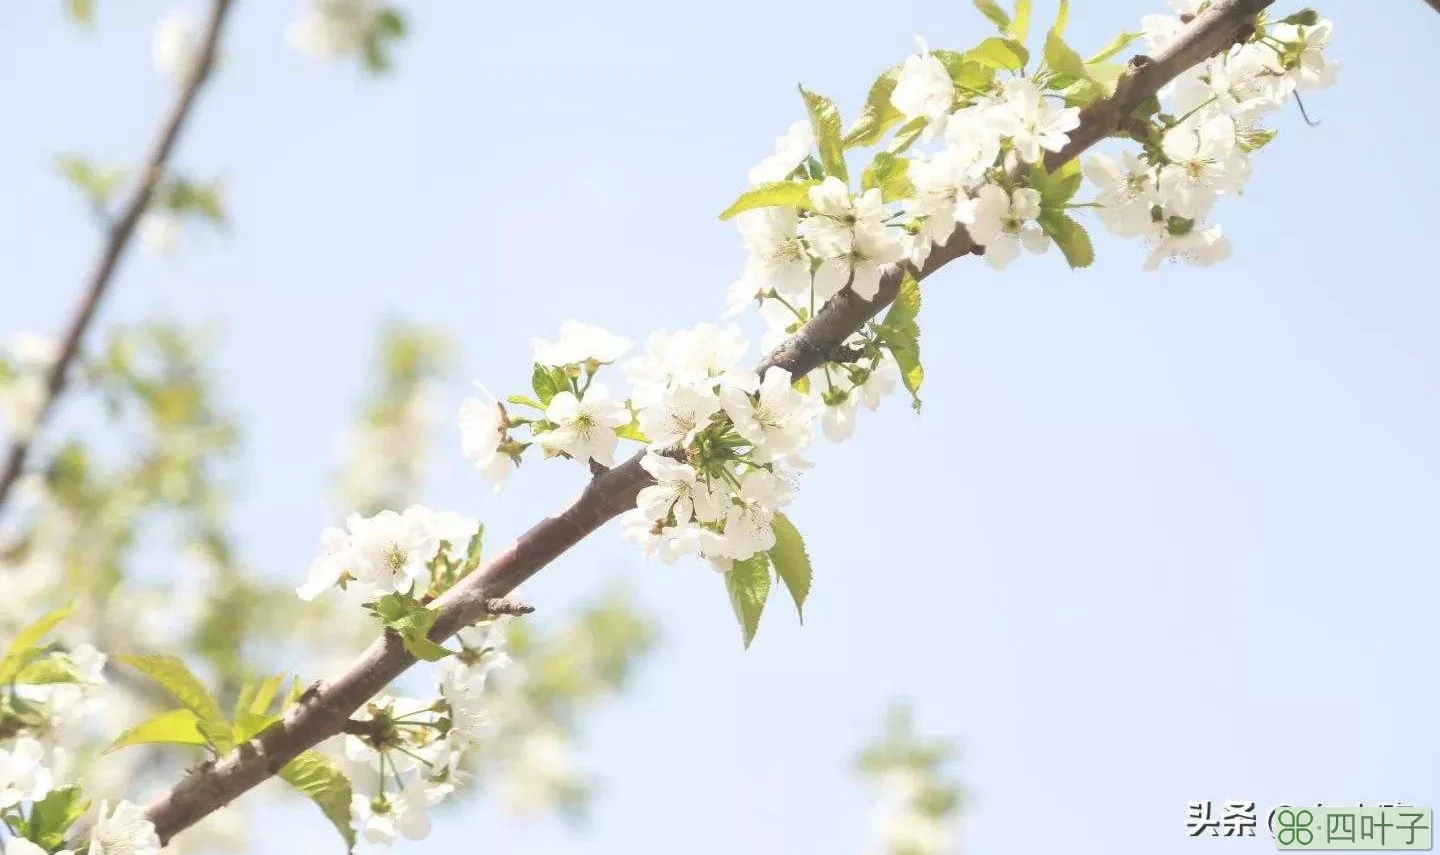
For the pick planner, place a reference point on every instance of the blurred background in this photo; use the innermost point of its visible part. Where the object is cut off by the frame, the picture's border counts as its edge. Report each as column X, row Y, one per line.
column 1155, row 538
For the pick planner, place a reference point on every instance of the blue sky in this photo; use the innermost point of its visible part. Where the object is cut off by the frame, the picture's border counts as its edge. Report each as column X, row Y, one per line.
column 1156, row 537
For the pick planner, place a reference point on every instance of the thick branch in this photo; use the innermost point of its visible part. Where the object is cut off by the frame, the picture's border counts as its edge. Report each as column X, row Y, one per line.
column 325, row 710
column 117, row 240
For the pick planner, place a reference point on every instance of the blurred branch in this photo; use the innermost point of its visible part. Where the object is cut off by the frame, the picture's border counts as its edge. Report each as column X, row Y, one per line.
column 121, row 230
column 1434, row 4
column 324, row 709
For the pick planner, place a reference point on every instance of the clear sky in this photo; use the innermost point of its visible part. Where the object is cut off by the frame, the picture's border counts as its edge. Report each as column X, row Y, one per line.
column 1156, row 537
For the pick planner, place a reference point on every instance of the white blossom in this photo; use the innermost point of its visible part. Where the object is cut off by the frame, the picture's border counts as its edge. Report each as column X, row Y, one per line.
column 1204, row 162
column 1127, row 192
column 123, row 831
column 580, row 343
column 373, row 818
column 482, row 429
column 173, row 49
column 1001, row 223
column 678, row 489
column 585, row 427
column 681, row 413
column 923, row 89
column 23, row 774
column 778, row 423
column 1201, row 247
column 332, row 28
column 1033, row 124
column 1313, row 70
column 791, row 149
column 29, row 357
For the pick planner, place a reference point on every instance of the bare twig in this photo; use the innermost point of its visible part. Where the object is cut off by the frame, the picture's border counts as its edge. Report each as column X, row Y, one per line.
column 117, row 240
column 325, row 710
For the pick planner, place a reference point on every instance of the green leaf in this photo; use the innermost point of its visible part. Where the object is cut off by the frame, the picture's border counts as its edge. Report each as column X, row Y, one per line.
column 992, row 10
column 53, row 815
column 1061, row 58
column 878, row 115
column 999, row 53
column 787, row 194
column 1062, row 17
column 81, row 11
column 1070, row 236
column 1019, row 27
column 1256, row 139
column 908, row 134
column 51, row 669
column 411, row 620
column 390, row 23
column 632, row 430
column 890, row 174
column 314, row 775
column 173, row 676
column 1113, row 47
column 901, row 332
column 474, row 549
column 825, row 122
column 1106, row 77
column 547, row 383
column 178, row 727
column 1058, row 187
column 24, row 648
column 748, row 584
column 791, row 562
column 966, row 73
column 522, row 401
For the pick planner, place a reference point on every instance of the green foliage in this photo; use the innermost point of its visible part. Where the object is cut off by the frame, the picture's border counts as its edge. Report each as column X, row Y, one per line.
column 1070, row 236
column 997, row 15
column 878, row 115
column 186, row 197
column 390, row 27
column 1019, row 28
column 900, row 331
column 25, row 648
column 890, row 174
column 51, row 817
column 1058, row 187
column 999, row 53
column 51, row 669
column 317, row 777
column 410, row 620
column 253, row 712
column 825, row 122
column 748, row 584
column 548, row 382
column 966, row 73
column 789, row 194
column 933, row 798
column 907, row 134
column 98, row 185
column 791, row 561
column 174, row 677
column 177, row 727
column 81, row 11
column 1113, row 47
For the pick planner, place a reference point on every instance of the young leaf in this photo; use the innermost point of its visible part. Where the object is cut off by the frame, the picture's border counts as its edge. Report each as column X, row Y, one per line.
column 24, row 648
column 178, row 727
column 901, row 332
column 1061, row 58
column 825, row 122
column 889, row 173
column 173, row 676
column 965, row 73
column 51, row 669
column 878, row 115
column 1070, row 236
column 1019, row 27
column 314, row 775
column 748, row 584
column 992, row 10
column 996, row 52
column 791, row 562
column 1113, row 47
column 908, row 134
column 53, row 815
column 789, row 194
column 411, row 620
column 81, row 11
column 1056, row 188
column 543, row 381
column 1062, row 17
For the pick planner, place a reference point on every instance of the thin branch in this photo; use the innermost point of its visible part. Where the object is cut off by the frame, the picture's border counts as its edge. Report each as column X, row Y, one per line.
column 120, row 231
column 325, row 710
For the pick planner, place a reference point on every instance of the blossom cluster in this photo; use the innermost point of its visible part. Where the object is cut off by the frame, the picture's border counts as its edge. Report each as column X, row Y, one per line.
column 47, row 696
column 24, row 363
column 1165, row 194
column 406, row 754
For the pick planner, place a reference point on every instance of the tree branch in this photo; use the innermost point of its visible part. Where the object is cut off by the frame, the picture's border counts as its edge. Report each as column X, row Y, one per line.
column 325, row 710
column 118, row 240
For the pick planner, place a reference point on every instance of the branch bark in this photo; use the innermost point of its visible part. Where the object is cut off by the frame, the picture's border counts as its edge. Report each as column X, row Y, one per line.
column 117, row 240
column 325, row 710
